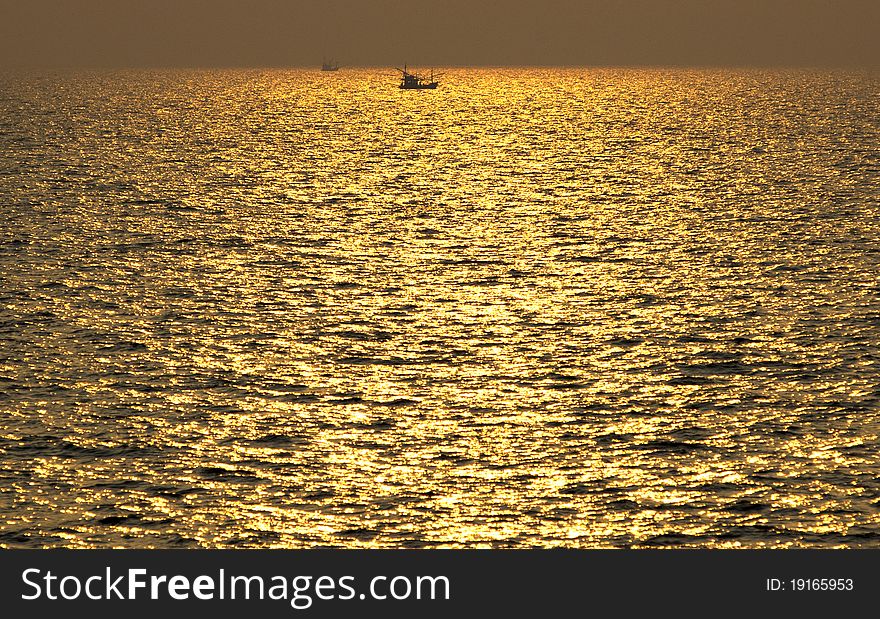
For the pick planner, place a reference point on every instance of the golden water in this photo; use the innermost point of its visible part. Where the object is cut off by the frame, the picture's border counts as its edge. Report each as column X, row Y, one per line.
column 530, row 308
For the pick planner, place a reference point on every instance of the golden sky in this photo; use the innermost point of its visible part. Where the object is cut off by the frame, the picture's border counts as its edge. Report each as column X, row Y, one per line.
column 266, row 33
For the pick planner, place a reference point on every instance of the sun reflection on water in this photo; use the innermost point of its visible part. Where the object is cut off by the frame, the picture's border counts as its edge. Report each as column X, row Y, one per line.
column 278, row 309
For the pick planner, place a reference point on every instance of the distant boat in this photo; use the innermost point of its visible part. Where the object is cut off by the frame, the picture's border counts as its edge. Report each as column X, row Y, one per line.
column 412, row 81
column 332, row 65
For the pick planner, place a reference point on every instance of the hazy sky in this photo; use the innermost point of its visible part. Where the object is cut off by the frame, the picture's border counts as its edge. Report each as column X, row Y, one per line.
column 258, row 33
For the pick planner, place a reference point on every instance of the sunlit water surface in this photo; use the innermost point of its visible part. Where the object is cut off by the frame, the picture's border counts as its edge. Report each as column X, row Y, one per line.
column 579, row 308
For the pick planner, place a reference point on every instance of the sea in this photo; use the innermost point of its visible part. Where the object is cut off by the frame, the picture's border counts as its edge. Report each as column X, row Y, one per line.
column 533, row 308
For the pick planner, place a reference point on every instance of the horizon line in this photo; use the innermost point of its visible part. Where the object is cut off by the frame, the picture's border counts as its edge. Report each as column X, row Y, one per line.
column 317, row 66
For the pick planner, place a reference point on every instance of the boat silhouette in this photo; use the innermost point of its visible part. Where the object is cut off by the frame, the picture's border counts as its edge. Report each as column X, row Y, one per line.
column 413, row 81
column 330, row 65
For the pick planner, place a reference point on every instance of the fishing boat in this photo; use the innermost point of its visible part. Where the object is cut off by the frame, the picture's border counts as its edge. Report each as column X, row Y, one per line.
column 413, row 81
column 332, row 65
